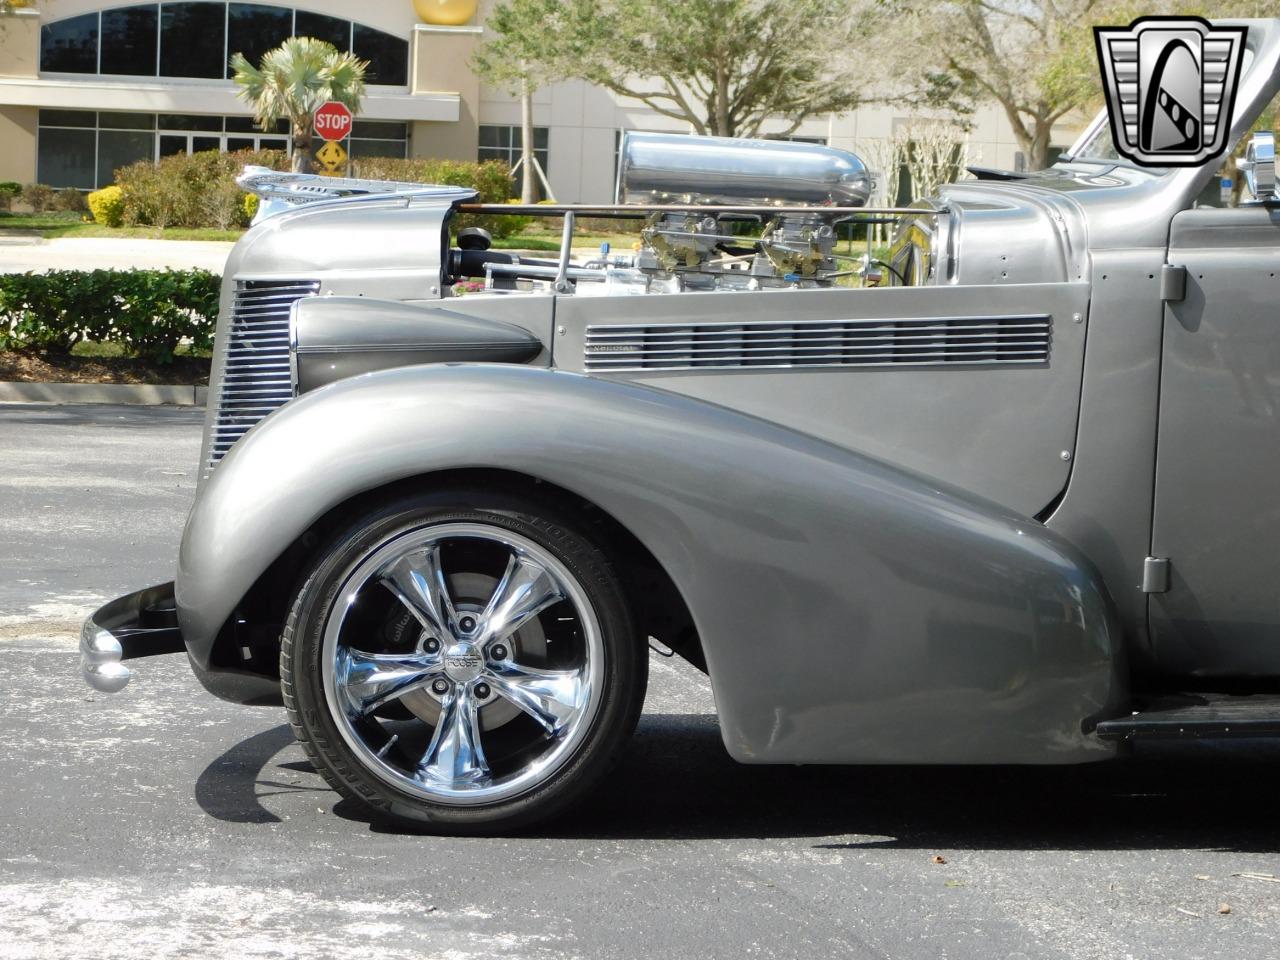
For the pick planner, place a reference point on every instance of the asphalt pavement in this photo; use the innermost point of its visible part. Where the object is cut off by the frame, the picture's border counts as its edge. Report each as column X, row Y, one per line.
column 19, row 254
column 162, row 823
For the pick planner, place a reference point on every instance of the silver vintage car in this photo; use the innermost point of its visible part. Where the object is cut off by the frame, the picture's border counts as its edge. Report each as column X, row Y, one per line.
column 1015, row 502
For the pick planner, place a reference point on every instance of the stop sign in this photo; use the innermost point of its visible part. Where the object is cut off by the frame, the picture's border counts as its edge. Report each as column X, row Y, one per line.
column 333, row 121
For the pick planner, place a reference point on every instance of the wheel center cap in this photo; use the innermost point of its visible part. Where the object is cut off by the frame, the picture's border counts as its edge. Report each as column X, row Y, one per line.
column 462, row 662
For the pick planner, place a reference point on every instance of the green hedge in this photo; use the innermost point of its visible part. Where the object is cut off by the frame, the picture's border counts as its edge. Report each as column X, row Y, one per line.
column 491, row 178
column 145, row 311
column 191, row 190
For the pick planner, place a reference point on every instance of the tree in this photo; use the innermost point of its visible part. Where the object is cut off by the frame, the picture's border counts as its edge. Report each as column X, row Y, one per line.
column 1035, row 58
column 724, row 67
column 293, row 81
column 519, row 59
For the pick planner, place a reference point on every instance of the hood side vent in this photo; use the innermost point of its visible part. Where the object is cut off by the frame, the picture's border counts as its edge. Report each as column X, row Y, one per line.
column 927, row 341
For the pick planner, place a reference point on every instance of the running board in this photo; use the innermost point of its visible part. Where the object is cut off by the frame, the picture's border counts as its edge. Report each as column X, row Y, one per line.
column 1198, row 716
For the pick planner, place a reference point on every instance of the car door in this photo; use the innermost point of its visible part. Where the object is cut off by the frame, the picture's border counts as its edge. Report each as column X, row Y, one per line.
column 1217, row 484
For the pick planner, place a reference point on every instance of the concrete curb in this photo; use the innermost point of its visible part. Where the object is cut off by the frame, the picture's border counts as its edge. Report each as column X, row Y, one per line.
column 146, row 394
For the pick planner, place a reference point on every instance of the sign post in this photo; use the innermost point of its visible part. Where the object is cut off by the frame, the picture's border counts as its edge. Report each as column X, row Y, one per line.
column 333, row 122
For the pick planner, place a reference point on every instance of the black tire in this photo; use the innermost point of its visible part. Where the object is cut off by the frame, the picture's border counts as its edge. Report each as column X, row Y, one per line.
column 620, row 698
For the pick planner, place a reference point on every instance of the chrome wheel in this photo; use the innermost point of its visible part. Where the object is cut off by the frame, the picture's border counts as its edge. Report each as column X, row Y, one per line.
column 462, row 663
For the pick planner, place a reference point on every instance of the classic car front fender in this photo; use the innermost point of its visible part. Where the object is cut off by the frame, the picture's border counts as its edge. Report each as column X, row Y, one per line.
column 849, row 611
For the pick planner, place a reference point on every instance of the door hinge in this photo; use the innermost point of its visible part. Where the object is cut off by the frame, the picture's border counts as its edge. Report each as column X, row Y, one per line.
column 1173, row 283
column 1155, row 575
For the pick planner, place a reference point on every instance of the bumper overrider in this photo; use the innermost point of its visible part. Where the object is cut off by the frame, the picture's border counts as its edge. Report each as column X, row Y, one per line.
column 142, row 624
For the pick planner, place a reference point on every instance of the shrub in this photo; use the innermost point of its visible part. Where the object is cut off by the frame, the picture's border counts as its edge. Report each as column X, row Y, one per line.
column 196, row 190
column 250, row 203
column 146, row 311
column 38, row 196
column 8, row 190
column 107, row 206
column 69, row 199
column 491, row 179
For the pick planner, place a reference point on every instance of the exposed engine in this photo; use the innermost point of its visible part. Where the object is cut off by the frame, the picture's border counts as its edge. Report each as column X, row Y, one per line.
column 737, row 243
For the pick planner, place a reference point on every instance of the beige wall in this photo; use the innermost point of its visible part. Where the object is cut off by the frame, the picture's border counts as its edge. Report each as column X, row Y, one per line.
column 18, row 134
column 440, row 61
column 19, row 44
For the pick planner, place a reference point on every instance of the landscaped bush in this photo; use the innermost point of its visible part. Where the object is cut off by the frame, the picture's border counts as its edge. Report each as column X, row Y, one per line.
column 492, row 179
column 8, row 191
column 69, row 199
column 107, row 206
column 196, row 190
column 146, row 311
column 38, row 196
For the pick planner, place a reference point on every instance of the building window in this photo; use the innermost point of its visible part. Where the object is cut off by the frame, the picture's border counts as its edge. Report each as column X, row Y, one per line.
column 329, row 29
column 253, row 29
column 388, row 56
column 83, row 149
column 70, row 46
column 377, row 138
column 193, row 40
column 507, row 144
column 129, row 41
column 197, row 40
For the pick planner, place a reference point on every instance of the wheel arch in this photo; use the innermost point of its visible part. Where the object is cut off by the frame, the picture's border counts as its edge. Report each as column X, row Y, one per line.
column 248, row 642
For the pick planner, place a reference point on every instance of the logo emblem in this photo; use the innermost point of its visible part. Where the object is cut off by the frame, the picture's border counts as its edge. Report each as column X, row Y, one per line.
column 462, row 662
column 1171, row 86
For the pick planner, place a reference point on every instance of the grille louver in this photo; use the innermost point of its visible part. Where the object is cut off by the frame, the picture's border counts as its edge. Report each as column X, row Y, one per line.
column 256, row 379
column 819, row 343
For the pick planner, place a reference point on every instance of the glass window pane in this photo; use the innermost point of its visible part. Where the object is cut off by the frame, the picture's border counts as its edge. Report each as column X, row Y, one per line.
column 329, row 29
column 169, row 145
column 378, row 148
column 239, row 143
column 388, row 56
column 253, row 29
column 192, row 39
column 129, row 40
column 249, row 125
column 489, row 135
column 489, row 153
column 71, row 45
column 273, row 143
column 379, row 130
column 119, row 148
column 189, row 121
column 65, row 158
column 540, row 135
column 205, row 143
column 127, row 121
column 68, row 118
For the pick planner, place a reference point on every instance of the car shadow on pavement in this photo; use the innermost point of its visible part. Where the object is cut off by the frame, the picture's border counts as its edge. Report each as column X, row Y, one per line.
column 677, row 782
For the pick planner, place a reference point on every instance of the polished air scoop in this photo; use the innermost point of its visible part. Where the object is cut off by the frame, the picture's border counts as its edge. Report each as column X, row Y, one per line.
column 675, row 168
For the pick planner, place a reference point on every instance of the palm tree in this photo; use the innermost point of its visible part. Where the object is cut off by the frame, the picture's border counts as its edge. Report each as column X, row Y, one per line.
column 293, row 81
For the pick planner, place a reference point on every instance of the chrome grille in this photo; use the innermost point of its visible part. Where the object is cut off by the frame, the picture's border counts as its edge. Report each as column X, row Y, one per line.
column 257, row 378
column 925, row 341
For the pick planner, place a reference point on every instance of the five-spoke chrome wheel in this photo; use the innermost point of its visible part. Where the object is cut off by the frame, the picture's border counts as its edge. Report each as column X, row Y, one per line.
column 461, row 662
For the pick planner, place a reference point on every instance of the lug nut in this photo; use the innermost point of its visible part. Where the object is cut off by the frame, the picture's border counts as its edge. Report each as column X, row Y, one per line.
column 467, row 623
column 482, row 691
column 440, row 686
column 499, row 652
column 432, row 645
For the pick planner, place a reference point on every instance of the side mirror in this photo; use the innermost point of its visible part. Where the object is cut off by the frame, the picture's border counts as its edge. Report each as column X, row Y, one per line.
column 1259, row 166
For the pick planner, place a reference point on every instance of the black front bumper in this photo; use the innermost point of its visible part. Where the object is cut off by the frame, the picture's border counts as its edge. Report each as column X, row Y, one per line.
column 142, row 624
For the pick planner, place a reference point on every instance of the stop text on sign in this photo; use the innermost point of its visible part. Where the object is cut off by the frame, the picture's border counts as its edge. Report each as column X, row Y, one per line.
column 333, row 121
